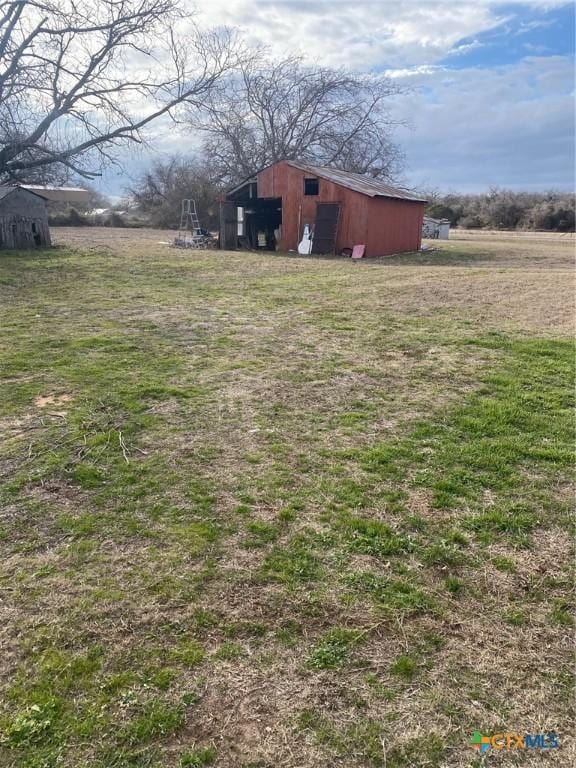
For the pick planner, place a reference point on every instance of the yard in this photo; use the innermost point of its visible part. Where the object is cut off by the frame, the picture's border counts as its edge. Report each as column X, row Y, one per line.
column 266, row 511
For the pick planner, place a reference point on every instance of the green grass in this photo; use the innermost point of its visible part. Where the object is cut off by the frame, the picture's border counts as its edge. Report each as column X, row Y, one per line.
column 188, row 653
column 363, row 739
column 260, row 533
column 373, row 537
column 199, row 757
column 154, row 719
column 405, row 667
column 292, row 564
column 276, row 495
column 454, row 585
column 391, row 596
column 333, row 649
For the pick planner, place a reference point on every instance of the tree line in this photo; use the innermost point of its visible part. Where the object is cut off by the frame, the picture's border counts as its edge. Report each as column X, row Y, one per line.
column 160, row 189
column 506, row 209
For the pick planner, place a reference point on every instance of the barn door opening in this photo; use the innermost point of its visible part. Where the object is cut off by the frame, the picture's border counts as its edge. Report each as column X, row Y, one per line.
column 253, row 223
column 326, row 227
column 263, row 222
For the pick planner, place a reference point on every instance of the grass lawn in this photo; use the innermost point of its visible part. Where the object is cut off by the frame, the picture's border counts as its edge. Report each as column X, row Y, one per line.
column 259, row 510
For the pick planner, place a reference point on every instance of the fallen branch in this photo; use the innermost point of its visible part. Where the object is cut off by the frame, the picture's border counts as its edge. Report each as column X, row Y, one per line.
column 123, row 447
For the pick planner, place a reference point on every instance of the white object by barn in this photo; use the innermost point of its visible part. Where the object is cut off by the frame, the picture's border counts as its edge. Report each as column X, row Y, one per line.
column 437, row 229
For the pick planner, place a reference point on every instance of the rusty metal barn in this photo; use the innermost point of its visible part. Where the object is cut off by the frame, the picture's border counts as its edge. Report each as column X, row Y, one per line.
column 270, row 211
column 23, row 219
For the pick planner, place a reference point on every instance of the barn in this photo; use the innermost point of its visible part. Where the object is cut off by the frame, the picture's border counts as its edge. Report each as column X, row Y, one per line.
column 23, row 218
column 271, row 209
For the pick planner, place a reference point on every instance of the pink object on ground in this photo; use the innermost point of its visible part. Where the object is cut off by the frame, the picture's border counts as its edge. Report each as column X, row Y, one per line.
column 358, row 251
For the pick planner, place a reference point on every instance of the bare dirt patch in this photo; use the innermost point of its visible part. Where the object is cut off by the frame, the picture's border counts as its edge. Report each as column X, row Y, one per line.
column 44, row 400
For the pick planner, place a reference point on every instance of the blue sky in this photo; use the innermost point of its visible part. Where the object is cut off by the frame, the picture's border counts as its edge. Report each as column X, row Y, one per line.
column 491, row 98
column 524, row 31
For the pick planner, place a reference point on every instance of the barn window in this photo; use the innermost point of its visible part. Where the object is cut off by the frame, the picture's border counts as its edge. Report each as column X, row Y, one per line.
column 311, row 186
column 240, row 231
column 33, row 226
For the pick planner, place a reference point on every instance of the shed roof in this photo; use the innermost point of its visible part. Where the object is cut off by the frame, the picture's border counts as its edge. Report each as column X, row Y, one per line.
column 6, row 190
column 436, row 221
column 358, row 183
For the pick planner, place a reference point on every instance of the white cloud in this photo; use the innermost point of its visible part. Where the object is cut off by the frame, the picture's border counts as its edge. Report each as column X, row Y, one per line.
column 510, row 126
column 363, row 34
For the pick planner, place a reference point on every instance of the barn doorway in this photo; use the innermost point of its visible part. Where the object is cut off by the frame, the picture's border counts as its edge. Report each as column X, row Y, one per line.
column 252, row 224
column 326, row 228
column 262, row 222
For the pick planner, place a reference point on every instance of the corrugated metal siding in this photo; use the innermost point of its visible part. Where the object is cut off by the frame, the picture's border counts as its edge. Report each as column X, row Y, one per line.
column 287, row 182
column 385, row 225
column 394, row 227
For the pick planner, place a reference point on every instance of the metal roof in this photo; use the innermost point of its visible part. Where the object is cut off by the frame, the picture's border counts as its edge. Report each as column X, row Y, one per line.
column 59, row 194
column 436, row 221
column 355, row 181
column 48, row 188
column 248, row 180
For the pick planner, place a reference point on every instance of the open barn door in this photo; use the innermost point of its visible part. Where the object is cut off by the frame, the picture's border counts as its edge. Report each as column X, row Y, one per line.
column 326, row 227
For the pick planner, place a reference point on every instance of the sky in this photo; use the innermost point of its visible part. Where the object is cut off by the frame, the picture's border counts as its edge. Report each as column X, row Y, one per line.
column 491, row 85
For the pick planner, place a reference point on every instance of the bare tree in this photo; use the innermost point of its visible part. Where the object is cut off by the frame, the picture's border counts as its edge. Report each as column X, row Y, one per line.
column 79, row 77
column 159, row 191
column 274, row 110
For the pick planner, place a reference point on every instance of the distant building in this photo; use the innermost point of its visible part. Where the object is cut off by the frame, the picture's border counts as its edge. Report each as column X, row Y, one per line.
column 289, row 202
column 69, row 195
column 437, row 229
column 23, row 218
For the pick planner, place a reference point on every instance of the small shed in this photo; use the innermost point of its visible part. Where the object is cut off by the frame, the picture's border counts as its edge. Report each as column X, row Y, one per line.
column 23, row 218
column 271, row 210
column 437, row 229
